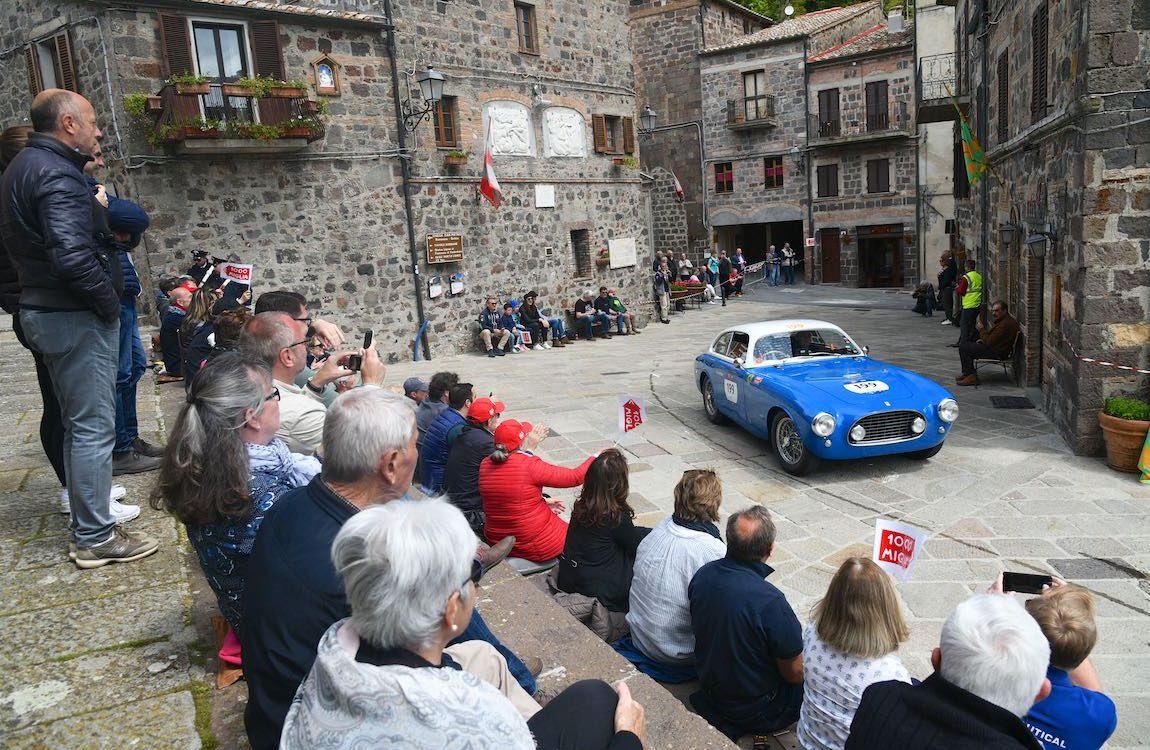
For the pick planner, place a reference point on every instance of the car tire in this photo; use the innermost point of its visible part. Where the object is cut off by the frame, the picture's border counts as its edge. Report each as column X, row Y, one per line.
column 714, row 416
column 793, row 457
column 923, row 455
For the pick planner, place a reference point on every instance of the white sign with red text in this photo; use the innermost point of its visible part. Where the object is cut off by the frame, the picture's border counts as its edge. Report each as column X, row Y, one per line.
column 896, row 546
column 237, row 272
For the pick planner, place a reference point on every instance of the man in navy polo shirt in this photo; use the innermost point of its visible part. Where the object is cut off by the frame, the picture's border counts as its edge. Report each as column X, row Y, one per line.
column 748, row 642
column 1076, row 715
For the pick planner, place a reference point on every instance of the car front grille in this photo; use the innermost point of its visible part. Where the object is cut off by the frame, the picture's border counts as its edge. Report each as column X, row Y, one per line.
column 886, row 427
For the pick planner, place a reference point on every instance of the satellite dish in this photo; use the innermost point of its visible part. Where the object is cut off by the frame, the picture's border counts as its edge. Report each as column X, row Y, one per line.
column 789, row 10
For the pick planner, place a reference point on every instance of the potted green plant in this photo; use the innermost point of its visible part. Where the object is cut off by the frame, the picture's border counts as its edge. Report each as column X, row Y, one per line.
column 255, row 131
column 1124, row 422
column 316, row 107
column 455, row 158
column 186, row 129
column 186, row 83
column 138, row 106
column 296, row 89
column 603, row 258
column 299, row 127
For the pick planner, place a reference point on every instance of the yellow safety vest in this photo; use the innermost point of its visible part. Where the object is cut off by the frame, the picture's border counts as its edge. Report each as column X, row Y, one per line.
column 973, row 296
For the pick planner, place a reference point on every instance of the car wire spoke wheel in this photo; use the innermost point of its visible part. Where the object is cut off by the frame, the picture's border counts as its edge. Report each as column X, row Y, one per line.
column 709, row 405
column 787, row 438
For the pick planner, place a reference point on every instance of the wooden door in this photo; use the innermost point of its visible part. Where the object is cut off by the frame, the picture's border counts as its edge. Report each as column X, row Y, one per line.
column 829, row 239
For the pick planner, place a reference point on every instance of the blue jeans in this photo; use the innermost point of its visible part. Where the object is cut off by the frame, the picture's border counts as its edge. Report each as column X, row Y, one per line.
column 774, row 274
column 789, row 274
column 477, row 630
column 81, row 353
column 587, row 324
column 131, row 368
column 558, row 330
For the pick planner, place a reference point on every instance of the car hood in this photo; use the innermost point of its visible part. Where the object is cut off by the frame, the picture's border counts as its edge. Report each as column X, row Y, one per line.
column 859, row 381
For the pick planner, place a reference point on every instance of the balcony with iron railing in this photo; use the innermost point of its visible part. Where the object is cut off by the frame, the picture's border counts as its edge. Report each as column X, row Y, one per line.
column 751, row 112
column 893, row 121
column 940, row 86
column 215, row 118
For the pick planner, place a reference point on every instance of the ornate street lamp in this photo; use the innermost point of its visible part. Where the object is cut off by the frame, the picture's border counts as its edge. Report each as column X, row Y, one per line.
column 431, row 90
column 647, row 120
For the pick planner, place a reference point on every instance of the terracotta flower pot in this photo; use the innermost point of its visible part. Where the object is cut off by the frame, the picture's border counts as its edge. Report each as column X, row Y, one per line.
column 286, row 92
column 198, row 89
column 1124, row 441
column 233, row 89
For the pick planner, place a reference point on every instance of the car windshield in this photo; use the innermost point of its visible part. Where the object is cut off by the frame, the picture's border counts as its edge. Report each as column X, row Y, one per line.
column 808, row 342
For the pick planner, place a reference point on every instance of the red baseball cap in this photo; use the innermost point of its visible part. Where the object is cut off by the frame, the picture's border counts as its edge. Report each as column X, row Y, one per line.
column 511, row 433
column 483, row 409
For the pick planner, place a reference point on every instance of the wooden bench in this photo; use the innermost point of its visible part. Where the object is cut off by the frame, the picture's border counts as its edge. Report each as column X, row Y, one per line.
column 1010, row 360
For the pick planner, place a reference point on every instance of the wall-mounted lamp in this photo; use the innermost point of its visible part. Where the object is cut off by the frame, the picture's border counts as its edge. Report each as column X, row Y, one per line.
column 431, row 89
column 800, row 159
column 1006, row 232
column 537, row 98
column 1038, row 241
column 647, row 120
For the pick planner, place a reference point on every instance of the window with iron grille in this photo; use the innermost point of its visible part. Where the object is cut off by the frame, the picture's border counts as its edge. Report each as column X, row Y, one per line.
column 725, row 177
column 1040, row 38
column 878, row 176
column 773, row 172
column 1003, row 97
column 446, row 116
column 877, row 110
column 756, row 103
column 828, row 180
column 829, row 112
column 525, row 27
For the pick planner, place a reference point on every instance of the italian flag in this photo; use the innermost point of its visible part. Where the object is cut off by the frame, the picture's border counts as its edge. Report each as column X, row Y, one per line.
column 489, row 185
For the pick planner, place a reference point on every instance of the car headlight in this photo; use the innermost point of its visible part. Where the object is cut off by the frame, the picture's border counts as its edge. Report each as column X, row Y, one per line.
column 823, row 424
column 858, row 432
column 948, row 410
column 918, row 426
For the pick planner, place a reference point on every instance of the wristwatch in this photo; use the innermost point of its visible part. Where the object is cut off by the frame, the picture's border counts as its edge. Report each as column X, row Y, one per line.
column 317, row 390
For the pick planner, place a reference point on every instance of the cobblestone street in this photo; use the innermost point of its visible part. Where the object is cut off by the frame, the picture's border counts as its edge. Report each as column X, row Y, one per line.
column 115, row 657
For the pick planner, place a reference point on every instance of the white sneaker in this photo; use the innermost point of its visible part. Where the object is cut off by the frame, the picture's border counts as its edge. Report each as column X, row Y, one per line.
column 538, row 347
column 946, row 323
column 122, row 513
column 118, row 491
column 710, row 302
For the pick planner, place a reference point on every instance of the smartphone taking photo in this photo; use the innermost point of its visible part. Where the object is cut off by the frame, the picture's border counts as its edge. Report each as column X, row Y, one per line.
column 1025, row 583
column 355, row 361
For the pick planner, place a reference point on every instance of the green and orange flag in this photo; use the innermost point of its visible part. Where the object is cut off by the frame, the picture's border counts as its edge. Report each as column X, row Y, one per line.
column 976, row 163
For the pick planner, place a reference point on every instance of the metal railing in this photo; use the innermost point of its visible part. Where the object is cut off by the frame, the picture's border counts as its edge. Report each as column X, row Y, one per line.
column 937, row 77
column 215, row 115
column 751, row 109
column 894, row 118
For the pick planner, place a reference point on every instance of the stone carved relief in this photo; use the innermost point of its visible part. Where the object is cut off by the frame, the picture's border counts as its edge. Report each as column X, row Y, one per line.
column 564, row 132
column 510, row 127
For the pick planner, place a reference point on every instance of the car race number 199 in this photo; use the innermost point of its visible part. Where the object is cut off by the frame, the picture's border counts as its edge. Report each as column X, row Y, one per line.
column 731, row 390
column 867, row 386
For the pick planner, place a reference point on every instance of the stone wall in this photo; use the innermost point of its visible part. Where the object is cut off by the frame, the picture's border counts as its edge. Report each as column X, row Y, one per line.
column 1080, row 172
column 668, row 217
column 330, row 221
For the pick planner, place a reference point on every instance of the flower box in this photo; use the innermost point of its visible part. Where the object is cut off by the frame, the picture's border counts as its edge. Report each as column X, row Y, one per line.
column 297, row 132
column 155, row 104
column 602, row 262
column 193, row 88
column 286, row 92
column 234, row 89
column 455, row 161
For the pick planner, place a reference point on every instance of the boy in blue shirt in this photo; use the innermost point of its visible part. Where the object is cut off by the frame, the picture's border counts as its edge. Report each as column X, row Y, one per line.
column 1076, row 715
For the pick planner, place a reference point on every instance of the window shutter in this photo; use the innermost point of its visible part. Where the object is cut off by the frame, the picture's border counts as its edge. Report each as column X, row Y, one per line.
column 64, row 57
column 267, row 58
column 599, row 133
column 628, row 135
column 1039, row 50
column 34, row 84
column 1003, row 97
column 176, row 45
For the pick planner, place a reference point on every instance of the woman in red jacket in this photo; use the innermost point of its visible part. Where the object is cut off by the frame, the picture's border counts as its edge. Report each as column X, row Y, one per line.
column 511, row 483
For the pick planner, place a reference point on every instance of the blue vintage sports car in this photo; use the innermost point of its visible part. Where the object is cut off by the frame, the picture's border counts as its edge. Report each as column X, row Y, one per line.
column 809, row 389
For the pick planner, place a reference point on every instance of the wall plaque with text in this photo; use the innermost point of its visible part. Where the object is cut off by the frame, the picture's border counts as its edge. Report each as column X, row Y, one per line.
column 444, row 248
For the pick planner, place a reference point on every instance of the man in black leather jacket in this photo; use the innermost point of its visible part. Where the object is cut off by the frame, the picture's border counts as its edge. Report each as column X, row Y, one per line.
column 70, row 309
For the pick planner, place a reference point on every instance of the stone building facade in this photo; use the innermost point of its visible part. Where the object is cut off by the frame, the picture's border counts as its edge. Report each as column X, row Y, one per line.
column 771, row 145
column 553, row 84
column 1060, row 99
column 666, row 39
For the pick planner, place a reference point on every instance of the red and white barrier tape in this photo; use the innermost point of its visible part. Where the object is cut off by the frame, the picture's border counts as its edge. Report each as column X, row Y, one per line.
column 1102, row 362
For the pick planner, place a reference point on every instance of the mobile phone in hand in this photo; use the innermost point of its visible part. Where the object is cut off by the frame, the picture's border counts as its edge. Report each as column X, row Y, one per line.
column 355, row 361
column 1025, row 583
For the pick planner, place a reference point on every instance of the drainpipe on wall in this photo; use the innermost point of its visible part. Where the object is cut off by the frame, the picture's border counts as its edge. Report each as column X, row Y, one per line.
column 809, row 161
column 405, row 172
column 984, row 197
column 702, row 163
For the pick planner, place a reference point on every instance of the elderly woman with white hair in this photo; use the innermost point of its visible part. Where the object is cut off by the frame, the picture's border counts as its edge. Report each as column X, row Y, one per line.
column 387, row 672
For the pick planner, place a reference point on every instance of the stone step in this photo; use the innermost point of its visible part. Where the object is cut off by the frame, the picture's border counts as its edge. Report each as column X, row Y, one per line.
column 532, row 624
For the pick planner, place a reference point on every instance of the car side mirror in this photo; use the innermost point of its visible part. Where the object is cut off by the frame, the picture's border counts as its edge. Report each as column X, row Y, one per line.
column 866, row 350
column 739, row 362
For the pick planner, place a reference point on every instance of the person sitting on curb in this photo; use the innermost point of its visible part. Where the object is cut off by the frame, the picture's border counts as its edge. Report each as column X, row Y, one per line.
column 321, row 331
column 294, row 592
column 441, row 434
column 995, row 343
column 540, row 325
column 587, row 317
column 990, row 668
column 475, row 443
column 415, row 388
column 662, row 642
column 493, row 335
column 511, row 482
column 387, row 675
column 178, row 301
column 748, row 642
column 508, row 322
column 1076, row 714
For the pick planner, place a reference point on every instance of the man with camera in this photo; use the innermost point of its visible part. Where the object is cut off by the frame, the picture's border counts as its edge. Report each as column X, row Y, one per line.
column 281, row 340
column 70, row 310
column 203, row 268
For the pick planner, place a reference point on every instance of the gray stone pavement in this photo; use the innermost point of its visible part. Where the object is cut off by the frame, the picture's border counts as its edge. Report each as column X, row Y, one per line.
column 116, row 656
